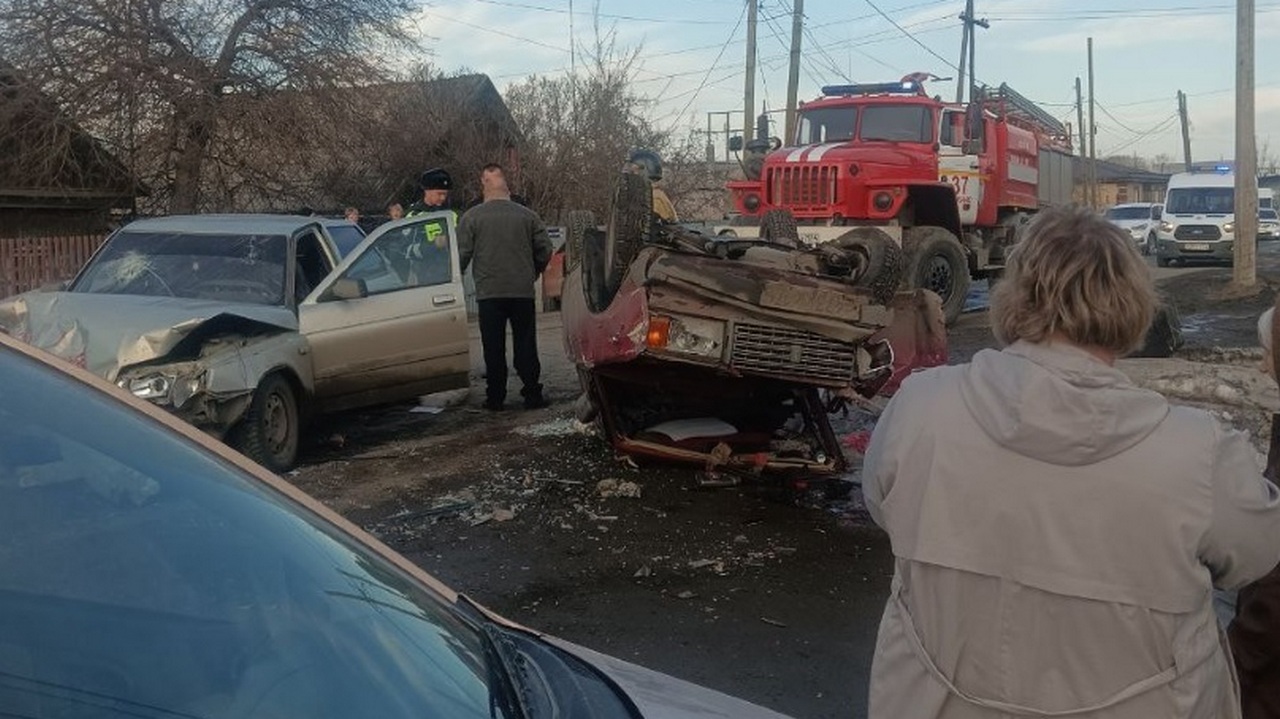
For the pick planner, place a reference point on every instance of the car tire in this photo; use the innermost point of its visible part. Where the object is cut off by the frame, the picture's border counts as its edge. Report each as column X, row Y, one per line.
column 577, row 222
column 1162, row 261
column 270, row 430
column 936, row 261
column 882, row 262
column 779, row 226
column 631, row 222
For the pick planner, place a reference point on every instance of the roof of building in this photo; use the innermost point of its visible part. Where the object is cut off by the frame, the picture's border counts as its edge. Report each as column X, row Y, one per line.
column 1115, row 172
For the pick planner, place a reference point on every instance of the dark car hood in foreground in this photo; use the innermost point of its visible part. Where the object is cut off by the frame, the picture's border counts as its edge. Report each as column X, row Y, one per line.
column 105, row 333
column 659, row 696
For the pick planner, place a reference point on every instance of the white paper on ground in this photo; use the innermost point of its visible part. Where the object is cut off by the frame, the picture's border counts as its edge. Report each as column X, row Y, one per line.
column 682, row 429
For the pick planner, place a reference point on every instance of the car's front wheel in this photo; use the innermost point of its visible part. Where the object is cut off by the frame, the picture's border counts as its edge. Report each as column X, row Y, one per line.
column 270, row 430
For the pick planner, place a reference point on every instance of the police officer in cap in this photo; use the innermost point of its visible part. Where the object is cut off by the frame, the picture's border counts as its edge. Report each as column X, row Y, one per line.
column 436, row 185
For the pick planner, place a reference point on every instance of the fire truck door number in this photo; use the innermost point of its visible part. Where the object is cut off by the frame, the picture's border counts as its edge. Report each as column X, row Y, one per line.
column 960, row 182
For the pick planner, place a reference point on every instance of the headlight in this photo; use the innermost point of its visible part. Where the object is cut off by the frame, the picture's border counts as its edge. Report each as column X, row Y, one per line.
column 153, row 386
column 686, row 335
column 883, row 201
column 174, row 388
column 1167, row 226
column 751, row 202
column 1229, row 228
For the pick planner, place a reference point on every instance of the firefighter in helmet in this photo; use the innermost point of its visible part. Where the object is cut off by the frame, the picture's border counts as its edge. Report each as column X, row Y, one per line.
column 648, row 164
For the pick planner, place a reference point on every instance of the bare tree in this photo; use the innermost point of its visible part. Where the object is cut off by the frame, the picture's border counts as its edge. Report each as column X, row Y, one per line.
column 155, row 77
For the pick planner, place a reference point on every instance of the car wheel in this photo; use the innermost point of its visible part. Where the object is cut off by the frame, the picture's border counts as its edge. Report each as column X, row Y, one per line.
column 1162, row 261
column 631, row 222
column 577, row 222
column 880, row 261
column 937, row 262
column 269, row 432
column 779, row 226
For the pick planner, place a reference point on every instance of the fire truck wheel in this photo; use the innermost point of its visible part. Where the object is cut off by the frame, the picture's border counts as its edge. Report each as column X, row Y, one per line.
column 780, row 226
column 576, row 222
column 880, row 259
column 936, row 262
column 631, row 223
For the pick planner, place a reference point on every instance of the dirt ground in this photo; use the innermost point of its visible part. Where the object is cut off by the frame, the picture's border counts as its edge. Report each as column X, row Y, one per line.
column 769, row 596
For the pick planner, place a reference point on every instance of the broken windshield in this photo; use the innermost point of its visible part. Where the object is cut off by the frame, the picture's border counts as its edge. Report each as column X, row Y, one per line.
column 225, row 268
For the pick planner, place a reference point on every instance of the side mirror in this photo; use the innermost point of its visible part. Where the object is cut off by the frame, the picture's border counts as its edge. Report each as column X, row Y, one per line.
column 735, row 144
column 347, row 289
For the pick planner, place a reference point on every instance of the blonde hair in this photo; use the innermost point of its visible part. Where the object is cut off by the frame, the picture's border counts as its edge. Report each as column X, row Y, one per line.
column 1076, row 275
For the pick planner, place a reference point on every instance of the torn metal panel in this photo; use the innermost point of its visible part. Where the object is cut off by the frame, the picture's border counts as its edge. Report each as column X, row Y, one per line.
column 918, row 335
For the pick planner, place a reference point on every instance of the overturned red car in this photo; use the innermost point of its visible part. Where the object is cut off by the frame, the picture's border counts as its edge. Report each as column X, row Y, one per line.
column 728, row 353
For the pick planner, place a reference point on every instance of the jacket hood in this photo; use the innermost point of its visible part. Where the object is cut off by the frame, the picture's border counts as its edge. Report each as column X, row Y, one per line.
column 1058, row 404
column 106, row 333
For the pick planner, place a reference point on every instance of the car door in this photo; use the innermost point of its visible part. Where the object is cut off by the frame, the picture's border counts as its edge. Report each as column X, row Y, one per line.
column 959, row 168
column 390, row 321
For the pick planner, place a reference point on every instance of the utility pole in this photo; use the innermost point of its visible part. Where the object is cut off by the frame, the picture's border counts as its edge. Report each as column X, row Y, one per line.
column 964, row 49
column 1082, row 147
column 1246, row 215
column 793, row 77
column 749, row 96
column 1093, row 138
column 1186, row 131
column 971, row 25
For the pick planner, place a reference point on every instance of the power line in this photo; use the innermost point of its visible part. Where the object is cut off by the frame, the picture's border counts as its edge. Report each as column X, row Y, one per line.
column 609, row 16
column 911, row 37
column 1164, row 125
column 703, row 84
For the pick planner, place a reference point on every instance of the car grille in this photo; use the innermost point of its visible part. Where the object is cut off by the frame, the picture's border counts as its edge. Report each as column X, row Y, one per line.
column 792, row 353
column 802, row 187
column 1202, row 233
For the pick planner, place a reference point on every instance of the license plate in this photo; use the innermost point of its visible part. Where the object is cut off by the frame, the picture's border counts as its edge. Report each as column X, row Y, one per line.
column 1196, row 247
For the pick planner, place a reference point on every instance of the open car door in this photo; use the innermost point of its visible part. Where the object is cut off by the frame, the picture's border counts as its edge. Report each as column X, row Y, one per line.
column 390, row 322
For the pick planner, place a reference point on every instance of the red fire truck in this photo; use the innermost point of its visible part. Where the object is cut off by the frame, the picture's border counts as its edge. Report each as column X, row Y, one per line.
column 939, row 189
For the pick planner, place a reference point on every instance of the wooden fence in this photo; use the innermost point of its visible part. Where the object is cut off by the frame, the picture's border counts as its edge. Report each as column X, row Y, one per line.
column 29, row 262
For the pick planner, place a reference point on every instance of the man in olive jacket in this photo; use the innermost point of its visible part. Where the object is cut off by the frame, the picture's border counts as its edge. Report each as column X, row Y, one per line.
column 507, row 245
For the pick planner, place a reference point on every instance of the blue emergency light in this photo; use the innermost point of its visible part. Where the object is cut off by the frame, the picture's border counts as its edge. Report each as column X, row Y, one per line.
column 876, row 88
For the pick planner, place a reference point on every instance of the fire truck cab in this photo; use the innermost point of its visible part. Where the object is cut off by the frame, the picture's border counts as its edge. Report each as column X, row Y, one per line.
column 947, row 184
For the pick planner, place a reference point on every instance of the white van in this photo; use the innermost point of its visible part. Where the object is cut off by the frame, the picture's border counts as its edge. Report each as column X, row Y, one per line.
column 1198, row 222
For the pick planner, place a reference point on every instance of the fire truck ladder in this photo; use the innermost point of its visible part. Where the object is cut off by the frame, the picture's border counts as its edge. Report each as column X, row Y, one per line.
column 1017, row 107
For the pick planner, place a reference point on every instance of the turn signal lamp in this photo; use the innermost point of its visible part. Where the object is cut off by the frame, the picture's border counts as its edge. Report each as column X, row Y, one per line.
column 659, row 332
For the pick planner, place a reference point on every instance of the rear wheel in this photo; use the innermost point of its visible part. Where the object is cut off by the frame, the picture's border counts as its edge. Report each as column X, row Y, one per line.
column 268, row 434
column 577, row 222
column 936, row 261
column 631, row 223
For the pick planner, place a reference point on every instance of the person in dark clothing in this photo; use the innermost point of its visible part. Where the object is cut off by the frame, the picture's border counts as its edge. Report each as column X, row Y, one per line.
column 436, row 184
column 509, row 247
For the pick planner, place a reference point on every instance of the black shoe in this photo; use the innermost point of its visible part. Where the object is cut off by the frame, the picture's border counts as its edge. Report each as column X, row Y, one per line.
column 536, row 402
column 494, row 406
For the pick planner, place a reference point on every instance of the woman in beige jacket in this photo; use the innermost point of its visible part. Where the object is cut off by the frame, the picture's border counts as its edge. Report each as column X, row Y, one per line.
column 1058, row 532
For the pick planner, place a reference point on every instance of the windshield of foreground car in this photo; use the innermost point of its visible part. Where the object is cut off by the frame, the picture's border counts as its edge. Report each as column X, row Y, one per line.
column 1129, row 213
column 1201, row 201
column 226, row 268
column 141, row 576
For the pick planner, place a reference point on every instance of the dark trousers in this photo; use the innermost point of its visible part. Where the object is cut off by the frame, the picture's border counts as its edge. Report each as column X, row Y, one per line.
column 494, row 316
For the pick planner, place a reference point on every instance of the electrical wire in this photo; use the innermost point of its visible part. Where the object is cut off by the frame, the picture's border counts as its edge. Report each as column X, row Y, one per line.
column 1164, row 126
column 607, row 16
column 703, row 84
column 911, row 37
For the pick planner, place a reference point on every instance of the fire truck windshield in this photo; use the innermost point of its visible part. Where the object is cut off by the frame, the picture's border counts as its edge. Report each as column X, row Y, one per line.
column 896, row 123
column 893, row 123
column 826, row 124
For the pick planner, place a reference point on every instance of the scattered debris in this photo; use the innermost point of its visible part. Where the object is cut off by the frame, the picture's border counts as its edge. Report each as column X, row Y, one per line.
column 741, row 539
column 618, row 488
column 562, row 427
column 686, row 594
column 700, row 563
column 420, row 409
column 773, row 622
column 503, row 515
column 858, row 442
column 549, row 480
column 337, row 441
column 642, row 572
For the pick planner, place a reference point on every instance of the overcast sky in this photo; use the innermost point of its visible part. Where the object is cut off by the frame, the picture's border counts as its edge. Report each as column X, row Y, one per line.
column 693, row 55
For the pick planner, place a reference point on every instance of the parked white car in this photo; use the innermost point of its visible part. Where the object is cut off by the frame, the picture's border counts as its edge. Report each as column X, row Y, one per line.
column 1140, row 220
column 1268, row 224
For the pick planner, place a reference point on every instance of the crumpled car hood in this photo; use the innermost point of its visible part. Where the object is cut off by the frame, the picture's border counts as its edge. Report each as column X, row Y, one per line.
column 105, row 333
